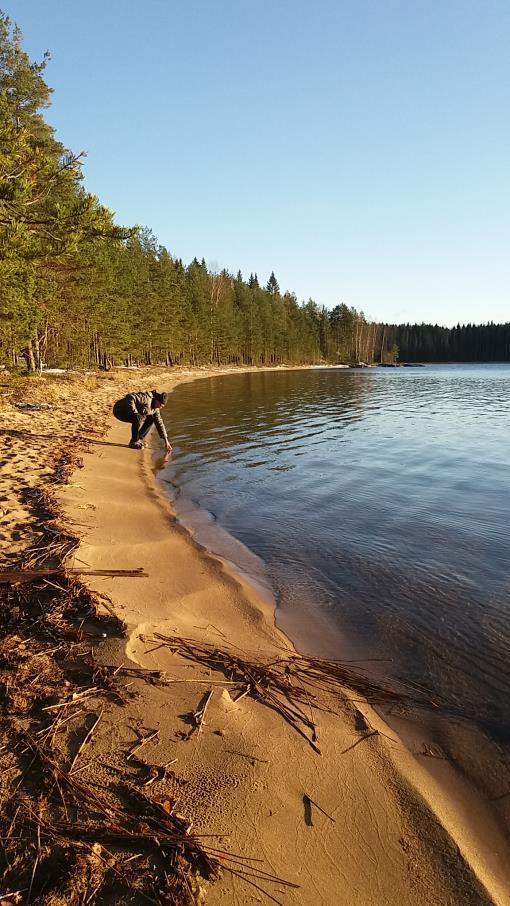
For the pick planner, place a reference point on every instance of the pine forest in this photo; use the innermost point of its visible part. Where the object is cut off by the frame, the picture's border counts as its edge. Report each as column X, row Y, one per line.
column 77, row 290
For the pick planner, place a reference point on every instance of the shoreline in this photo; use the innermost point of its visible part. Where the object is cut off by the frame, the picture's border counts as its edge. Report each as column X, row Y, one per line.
column 247, row 615
column 472, row 757
column 452, row 735
column 362, row 824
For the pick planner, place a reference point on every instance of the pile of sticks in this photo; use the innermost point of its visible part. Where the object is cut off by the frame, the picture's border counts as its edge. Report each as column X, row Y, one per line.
column 291, row 684
column 84, row 841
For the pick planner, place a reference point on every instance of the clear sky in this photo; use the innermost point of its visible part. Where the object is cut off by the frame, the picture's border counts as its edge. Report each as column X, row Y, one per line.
column 360, row 148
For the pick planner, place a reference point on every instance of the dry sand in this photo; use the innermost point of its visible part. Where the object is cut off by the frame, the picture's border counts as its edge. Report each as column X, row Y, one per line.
column 390, row 831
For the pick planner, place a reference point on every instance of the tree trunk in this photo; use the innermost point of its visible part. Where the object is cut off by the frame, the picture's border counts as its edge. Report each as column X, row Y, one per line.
column 29, row 353
column 37, row 353
column 382, row 343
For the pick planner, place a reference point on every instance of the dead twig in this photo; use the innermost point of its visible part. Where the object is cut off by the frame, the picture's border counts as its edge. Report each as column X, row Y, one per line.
column 291, row 685
column 15, row 576
column 198, row 716
column 86, row 741
column 142, row 741
column 308, row 798
column 249, row 757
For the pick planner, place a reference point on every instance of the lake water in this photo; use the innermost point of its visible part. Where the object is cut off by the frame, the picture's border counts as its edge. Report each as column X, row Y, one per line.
column 376, row 505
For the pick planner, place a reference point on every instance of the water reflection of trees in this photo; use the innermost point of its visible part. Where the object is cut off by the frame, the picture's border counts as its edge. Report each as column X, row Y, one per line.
column 245, row 408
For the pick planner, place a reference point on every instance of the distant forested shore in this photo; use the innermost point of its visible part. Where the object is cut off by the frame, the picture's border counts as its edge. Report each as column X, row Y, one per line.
column 463, row 343
column 77, row 290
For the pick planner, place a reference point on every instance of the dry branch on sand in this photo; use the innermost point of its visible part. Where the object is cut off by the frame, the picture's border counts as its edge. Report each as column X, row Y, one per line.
column 135, row 844
column 169, row 859
column 15, row 576
column 291, row 684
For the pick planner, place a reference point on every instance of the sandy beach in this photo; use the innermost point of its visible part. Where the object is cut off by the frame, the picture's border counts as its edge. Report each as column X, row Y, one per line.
column 363, row 822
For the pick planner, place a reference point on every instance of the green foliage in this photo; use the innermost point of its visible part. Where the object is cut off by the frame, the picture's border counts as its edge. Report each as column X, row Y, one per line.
column 466, row 343
column 76, row 289
column 46, row 217
column 272, row 285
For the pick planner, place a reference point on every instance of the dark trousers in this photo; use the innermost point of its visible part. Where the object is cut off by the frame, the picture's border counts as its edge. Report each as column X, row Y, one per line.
column 140, row 425
column 143, row 428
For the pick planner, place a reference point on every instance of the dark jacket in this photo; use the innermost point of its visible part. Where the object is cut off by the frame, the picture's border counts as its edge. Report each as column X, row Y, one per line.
column 139, row 406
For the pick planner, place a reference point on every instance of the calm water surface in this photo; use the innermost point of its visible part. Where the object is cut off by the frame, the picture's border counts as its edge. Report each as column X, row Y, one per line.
column 378, row 502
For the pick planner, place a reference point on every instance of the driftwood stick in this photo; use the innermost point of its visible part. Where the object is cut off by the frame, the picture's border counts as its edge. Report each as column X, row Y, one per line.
column 36, row 861
column 249, row 757
column 134, row 671
column 77, row 697
column 142, row 742
column 107, row 606
column 318, row 807
column 86, row 740
column 16, row 576
column 241, row 694
column 199, row 714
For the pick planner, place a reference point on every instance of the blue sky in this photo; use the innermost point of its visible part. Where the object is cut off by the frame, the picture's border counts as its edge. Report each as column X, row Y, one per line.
column 359, row 149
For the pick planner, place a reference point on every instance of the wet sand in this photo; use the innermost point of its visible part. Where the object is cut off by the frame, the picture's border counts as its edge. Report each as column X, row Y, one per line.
column 387, row 830
column 395, row 828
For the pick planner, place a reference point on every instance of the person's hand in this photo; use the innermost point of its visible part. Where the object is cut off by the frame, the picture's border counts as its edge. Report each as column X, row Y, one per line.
column 168, row 447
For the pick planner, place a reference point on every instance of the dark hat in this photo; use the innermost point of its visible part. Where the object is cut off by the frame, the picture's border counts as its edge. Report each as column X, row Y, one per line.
column 161, row 397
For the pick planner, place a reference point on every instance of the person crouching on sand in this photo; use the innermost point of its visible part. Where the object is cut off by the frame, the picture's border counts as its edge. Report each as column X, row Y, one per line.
column 142, row 411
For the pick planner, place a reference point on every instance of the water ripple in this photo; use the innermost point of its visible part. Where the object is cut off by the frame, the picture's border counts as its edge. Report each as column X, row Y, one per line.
column 379, row 498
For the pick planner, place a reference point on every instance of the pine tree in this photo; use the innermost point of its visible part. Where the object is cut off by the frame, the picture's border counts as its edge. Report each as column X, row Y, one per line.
column 272, row 285
column 44, row 212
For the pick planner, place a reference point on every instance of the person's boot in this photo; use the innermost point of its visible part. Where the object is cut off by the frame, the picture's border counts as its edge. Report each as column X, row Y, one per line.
column 135, row 444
